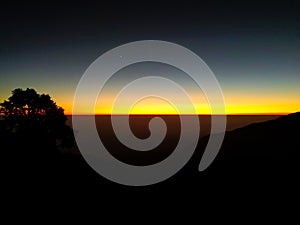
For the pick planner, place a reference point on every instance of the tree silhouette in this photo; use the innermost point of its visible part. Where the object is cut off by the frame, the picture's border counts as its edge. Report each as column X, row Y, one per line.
column 33, row 121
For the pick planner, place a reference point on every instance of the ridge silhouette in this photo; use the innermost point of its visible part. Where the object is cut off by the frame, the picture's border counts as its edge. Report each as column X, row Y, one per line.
column 266, row 153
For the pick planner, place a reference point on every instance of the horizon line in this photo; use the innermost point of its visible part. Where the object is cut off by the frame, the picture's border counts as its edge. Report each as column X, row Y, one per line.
column 183, row 114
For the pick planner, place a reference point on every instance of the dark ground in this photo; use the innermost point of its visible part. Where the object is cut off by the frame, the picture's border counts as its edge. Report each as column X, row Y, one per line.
column 257, row 164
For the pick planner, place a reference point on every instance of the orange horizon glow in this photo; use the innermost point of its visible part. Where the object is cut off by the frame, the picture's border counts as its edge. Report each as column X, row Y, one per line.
column 236, row 104
column 232, row 108
column 147, row 114
column 185, row 114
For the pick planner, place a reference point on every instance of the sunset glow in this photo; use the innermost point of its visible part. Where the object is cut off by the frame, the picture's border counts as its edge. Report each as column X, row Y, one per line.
column 234, row 105
column 239, row 102
column 256, row 61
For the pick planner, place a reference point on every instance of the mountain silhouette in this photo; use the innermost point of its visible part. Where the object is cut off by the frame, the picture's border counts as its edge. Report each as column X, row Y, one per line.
column 267, row 145
column 254, row 161
column 251, row 153
column 275, row 141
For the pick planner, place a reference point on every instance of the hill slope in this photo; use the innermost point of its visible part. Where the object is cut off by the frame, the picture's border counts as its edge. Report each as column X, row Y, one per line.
column 273, row 144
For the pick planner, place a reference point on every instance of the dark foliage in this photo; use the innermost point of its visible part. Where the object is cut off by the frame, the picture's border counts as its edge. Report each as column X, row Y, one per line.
column 33, row 124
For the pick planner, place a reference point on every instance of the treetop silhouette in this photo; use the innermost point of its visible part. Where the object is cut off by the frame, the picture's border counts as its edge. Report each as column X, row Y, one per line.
column 34, row 120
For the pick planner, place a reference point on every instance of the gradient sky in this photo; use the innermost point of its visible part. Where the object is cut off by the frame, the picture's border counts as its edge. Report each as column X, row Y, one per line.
column 253, row 48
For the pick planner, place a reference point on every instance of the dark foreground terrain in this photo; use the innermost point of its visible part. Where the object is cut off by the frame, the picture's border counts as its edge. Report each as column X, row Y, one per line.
column 257, row 163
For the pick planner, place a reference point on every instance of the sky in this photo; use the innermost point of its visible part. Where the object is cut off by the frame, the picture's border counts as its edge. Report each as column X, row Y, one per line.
column 253, row 48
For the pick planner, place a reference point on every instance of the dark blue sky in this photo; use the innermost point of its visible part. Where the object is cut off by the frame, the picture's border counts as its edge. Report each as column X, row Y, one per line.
column 252, row 47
